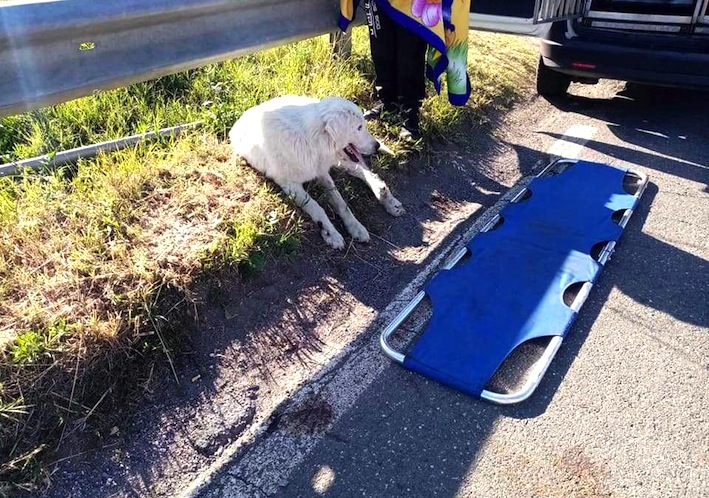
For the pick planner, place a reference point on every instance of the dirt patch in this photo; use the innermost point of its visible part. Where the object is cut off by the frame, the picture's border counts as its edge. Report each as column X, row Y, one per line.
column 571, row 473
column 585, row 477
column 310, row 417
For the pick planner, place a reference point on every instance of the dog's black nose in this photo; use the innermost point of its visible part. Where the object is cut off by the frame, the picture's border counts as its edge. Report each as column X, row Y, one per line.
column 376, row 146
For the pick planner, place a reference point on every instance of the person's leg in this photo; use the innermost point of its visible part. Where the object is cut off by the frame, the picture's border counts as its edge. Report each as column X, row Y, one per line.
column 382, row 40
column 411, row 78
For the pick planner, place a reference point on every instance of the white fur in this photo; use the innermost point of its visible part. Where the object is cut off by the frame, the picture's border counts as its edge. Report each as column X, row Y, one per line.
column 293, row 140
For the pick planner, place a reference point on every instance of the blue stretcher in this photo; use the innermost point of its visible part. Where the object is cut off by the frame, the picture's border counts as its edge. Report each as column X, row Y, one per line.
column 553, row 237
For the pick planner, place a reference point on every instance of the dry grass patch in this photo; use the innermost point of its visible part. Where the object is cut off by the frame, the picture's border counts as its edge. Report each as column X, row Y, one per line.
column 91, row 260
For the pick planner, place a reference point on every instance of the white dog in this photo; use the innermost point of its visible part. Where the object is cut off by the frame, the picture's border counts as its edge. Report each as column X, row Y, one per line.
column 293, row 140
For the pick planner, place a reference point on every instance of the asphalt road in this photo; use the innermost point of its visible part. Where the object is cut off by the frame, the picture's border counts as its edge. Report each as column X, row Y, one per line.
column 623, row 408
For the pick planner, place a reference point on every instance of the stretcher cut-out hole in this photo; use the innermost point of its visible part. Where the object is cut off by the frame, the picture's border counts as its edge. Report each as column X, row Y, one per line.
column 86, row 46
column 513, row 373
column 618, row 216
column 412, row 327
column 572, row 292
column 597, row 249
column 632, row 183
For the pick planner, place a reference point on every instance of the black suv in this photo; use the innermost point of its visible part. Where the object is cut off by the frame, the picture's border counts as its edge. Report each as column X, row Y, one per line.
column 664, row 42
column 644, row 41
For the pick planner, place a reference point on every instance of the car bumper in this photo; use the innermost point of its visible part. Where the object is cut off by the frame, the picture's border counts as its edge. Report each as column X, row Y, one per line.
column 583, row 58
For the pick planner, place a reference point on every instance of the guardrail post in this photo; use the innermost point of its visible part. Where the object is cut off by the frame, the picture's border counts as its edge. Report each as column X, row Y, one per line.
column 341, row 43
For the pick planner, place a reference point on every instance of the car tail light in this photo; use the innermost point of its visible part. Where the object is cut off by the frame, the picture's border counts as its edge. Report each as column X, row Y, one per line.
column 583, row 65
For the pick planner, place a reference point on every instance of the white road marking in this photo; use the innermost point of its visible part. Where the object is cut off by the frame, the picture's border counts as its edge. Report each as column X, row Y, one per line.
column 653, row 133
column 672, row 158
column 570, row 145
column 267, row 465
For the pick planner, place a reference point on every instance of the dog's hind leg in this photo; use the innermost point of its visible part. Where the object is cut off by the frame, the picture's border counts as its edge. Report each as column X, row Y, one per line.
column 353, row 225
column 316, row 212
column 379, row 188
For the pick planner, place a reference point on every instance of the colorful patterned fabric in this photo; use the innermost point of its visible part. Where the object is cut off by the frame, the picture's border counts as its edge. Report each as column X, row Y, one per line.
column 444, row 26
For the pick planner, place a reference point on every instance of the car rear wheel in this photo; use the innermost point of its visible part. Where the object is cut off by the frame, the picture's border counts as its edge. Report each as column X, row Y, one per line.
column 551, row 83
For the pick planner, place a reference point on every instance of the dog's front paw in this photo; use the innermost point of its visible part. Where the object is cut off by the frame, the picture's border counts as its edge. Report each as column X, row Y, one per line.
column 358, row 232
column 394, row 207
column 333, row 238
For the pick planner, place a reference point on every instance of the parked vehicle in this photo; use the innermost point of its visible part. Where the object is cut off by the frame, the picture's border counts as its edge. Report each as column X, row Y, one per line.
column 664, row 42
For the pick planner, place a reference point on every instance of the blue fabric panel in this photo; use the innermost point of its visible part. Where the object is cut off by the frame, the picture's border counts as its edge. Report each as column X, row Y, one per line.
column 511, row 289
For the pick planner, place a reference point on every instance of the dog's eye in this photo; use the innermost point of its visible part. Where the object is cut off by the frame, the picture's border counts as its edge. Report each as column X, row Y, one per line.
column 359, row 128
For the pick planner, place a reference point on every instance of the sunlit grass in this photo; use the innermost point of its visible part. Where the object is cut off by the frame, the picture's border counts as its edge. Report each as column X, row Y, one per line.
column 92, row 255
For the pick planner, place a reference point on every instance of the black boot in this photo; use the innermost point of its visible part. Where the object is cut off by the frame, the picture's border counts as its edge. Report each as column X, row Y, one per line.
column 410, row 127
column 382, row 110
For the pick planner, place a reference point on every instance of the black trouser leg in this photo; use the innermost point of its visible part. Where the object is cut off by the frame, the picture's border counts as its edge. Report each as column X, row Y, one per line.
column 383, row 43
column 410, row 68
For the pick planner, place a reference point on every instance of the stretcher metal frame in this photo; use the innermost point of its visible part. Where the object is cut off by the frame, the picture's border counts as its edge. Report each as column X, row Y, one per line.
column 537, row 371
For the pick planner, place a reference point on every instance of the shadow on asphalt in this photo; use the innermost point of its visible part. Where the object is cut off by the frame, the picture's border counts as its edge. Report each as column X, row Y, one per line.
column 405, row 426
column 415, row 425
column 670, row 125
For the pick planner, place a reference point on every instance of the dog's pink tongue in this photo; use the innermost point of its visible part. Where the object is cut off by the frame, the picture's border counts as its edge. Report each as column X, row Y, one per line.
column 356, row 153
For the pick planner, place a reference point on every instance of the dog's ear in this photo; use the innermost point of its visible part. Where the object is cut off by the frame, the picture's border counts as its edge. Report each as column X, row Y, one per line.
column 335, row 126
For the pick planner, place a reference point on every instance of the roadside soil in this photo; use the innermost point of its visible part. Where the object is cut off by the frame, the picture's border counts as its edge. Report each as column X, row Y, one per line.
column 256, row 341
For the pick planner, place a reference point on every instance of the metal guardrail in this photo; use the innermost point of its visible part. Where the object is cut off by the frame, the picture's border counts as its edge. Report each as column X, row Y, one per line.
column 71, row 155
column 52, row 51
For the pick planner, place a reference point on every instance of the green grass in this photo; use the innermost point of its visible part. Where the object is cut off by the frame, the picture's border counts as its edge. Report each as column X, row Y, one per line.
column 98, row 260
column 31, row 345
column 217, row 94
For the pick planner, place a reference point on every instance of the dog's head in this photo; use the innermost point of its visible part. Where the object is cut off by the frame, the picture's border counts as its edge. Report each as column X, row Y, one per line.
column 345, row 126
